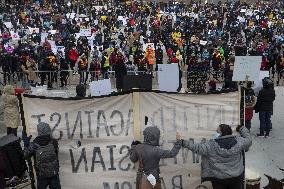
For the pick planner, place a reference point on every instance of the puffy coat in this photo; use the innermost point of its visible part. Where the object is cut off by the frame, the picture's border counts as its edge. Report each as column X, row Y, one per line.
column 151, row 153
column 265, row 100
column 11, row 107
column 222, row 158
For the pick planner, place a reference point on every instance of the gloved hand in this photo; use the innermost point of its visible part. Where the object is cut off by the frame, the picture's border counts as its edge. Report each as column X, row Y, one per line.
column 136, row 142
column 26, row 139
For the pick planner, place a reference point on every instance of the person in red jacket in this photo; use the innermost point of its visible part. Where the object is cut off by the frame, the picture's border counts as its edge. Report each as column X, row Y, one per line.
column 73, row 57
column 250, row 101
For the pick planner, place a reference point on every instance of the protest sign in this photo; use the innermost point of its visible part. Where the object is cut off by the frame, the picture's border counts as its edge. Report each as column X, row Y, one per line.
column 15, row 35
column 43, row 37
column 203, row 42
column 100, row 87
column 106, row 127
column 247, row 66
column 8, row 24
column 168, row 77
column 33, row 30
column 86, row 32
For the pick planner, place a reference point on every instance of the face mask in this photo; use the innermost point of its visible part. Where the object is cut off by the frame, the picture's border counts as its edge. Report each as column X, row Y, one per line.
column 216, row 135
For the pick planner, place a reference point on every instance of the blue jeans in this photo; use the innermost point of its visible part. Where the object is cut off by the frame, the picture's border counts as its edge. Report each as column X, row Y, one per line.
column 265, row 121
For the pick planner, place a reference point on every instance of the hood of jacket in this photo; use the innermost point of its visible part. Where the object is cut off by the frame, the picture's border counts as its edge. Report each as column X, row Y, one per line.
column 43, row 129
column 152, row 136
column 9, row 90
column 226, row 146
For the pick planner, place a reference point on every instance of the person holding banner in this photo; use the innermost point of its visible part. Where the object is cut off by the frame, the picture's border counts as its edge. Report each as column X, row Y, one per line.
column 149, row 154
column 44, row 149
column 222, row 159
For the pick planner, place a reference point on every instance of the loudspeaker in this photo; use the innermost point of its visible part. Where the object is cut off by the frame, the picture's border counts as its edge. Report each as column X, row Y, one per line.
column 137, row 82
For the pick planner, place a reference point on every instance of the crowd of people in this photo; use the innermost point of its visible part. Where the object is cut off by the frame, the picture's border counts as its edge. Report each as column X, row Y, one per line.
column 53, row 37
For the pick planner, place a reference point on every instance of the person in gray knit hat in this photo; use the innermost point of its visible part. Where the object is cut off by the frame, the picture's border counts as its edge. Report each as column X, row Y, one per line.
column 44, row 150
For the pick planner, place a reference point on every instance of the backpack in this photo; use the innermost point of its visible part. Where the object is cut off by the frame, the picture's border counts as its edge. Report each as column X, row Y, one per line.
column 46, row 161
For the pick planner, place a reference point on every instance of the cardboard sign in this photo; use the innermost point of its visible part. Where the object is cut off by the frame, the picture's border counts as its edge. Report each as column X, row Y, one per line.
column 247, row 66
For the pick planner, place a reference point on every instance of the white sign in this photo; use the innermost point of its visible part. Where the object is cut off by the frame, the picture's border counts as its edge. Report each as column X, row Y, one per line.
column 8, row 25
column 52, row 32
column 85, row 32
column 15, row 35
column 100, row 87
column 33, row 30
column 168, row 77
column 203, row 42
column 247, row 66
column 43, row 37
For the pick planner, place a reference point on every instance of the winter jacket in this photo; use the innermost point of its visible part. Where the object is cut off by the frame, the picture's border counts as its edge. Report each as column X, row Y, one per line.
column 12, row 153
column 151, row 153
column 11, row 107
column 222, row 157
column 44, row 138
column 265, row 99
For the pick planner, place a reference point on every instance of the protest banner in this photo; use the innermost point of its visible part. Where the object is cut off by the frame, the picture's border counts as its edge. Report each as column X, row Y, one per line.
column 107, row 126
column 247, row 66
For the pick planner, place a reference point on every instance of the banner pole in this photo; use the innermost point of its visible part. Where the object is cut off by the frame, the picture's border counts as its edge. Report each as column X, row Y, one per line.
column 23, row 120
column 136, row 115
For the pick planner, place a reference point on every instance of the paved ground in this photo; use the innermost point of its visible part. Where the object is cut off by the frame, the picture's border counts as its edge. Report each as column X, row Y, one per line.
column 266, row 156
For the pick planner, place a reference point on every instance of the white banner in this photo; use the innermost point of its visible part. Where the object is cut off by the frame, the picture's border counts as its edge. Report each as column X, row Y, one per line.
column 105, row 127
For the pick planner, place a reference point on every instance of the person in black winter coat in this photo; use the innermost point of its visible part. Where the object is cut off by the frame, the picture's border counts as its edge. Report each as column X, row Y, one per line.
column 264, row 106
column 64, row 67
column 120, row 72
column 49, row 159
